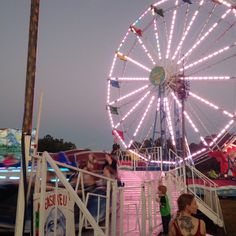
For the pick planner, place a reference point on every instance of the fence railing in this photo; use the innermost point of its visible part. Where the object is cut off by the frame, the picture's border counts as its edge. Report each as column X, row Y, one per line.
column 102, row 199
column 146, row 159
column 188, row 178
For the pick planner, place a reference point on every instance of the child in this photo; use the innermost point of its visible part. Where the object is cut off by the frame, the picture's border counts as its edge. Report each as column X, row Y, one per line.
column 164, row 208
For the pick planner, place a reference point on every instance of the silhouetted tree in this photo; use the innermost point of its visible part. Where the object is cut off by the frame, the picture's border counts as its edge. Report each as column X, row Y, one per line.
column 50, row 144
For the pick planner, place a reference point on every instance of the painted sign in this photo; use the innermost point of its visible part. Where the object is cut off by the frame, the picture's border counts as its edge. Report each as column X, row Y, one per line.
column 10, row 143
column 58, row 214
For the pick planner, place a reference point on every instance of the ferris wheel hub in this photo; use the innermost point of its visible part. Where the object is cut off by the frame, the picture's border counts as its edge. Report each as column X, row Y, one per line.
column 157, row 75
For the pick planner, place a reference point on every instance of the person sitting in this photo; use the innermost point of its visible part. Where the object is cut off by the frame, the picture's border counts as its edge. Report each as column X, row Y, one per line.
column 110, row 162
column 10, row 160
column 212, row 174
column 185, row 224
column 115, row 149
column 88, row 180
column 107, row 172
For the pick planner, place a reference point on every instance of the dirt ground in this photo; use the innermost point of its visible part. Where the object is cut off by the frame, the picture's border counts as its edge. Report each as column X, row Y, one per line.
column 229, row 212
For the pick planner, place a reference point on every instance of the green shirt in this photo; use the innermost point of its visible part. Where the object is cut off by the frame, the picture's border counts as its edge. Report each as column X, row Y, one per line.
column 164, row 206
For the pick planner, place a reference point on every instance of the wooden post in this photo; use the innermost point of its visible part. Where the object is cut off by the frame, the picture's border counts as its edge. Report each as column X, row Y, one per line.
column 28, row 115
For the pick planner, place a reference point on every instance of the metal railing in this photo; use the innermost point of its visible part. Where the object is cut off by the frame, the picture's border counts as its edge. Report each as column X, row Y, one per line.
column 105, row 201
column 145, row 159
column 139, row 212
column 188, row 178
column 142, row 213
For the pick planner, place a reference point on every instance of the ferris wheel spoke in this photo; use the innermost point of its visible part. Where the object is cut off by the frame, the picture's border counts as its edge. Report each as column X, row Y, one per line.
column 130, row 79
column 192, row 124
column 124, row 40
column 214, row 78
column 171, row 29
column 129, row 95
column 132, row 109
column 207, row 21
column 223, row 34
column 160, row 2
column 195, row 128
column 212, row 105
column 116, row 133
column 142, row 15
column 157, row 39
column 213, row 64
column 186, row 31
column 139, row 34
column 208, row 57
column 141, row 121
column 226, row 3
column 169, row 122
column 183, row 30
column 197, row 153
column 226, row 127
column 112, row 66
column 123, row 57
column 206, row 35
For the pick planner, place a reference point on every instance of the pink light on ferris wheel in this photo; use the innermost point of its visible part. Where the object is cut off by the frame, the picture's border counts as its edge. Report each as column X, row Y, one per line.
column 221, row 132
column 142, row 119
column 145, row 50
column 197, row 153
column 123, row 40
column 171, row 30
column 123, row 57
column 170, row 126
column 206, row 78
column 211, row 104
column 142, row 16
column 112, row 66
column 185, row 32
column 131, row 79
column 204, row 36
column 194, row 127
column 225, row 3
column 129, row 94
column 203, row 140
column 120, row 139
column 214, row 54
column 191, row 122
column 110, row 116
column 145, row 159
column 159, row 3
column 157, row 39
column 132, row 109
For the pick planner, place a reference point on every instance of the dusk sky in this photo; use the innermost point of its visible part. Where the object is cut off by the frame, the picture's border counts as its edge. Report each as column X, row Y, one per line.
column 76, row 44
column 77, row 40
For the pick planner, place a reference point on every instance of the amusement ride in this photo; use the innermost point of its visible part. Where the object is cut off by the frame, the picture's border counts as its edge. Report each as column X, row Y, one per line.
column 172, row 78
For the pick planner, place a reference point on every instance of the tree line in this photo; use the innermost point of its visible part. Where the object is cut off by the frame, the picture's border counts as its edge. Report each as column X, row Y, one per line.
column 50, row 144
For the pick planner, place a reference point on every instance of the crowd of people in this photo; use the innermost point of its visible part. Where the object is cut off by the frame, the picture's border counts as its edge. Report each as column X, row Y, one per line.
column 91, row 182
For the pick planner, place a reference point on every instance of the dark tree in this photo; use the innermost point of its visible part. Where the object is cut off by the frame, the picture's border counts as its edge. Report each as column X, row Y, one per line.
column 50, row 144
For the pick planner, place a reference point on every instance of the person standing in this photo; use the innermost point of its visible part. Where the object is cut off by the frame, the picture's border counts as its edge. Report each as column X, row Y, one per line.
column 164, row 208
column 185, row 224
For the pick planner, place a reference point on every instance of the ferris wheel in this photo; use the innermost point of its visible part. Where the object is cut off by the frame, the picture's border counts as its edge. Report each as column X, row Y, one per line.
column 175, row 63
